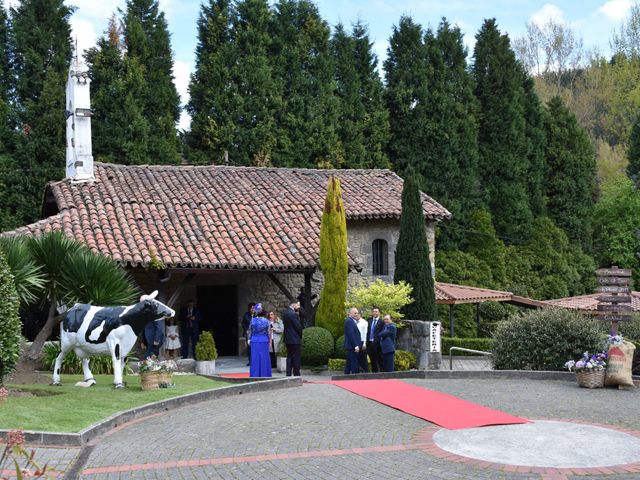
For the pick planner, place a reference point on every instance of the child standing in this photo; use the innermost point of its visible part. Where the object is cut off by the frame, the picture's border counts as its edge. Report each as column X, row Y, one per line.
column 172, row 342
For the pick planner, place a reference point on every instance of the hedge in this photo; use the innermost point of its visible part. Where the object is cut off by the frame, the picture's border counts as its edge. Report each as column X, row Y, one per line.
column 339, row 351
column 10, row 325
column 317, row 346
column 482, row 344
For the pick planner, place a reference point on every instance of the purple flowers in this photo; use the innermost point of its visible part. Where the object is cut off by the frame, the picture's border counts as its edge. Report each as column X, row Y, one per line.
column 588, row 362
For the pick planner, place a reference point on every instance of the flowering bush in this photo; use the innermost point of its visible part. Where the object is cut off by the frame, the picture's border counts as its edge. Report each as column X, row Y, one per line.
column 150, row 364
column 15, row 453
column 588, row 362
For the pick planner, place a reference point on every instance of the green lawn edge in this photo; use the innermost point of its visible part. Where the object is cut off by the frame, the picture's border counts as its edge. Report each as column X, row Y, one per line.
column 71, row 409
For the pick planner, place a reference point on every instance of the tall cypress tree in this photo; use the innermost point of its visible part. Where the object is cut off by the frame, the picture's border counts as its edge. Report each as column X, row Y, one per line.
column 504, row 164
column 570, row 175
column 363, row 128
column 406, row 94
column 255, row 93
column 120, row 131
column 209, row 96
column 450, row 161
column 303, row 65
column 412, row 253
column 41, row 40
column 7, row 137
column 333, row 260
column 147, row 41
column 534, row 131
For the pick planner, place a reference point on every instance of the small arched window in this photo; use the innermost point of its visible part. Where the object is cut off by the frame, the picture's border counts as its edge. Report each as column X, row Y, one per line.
column 380, row 250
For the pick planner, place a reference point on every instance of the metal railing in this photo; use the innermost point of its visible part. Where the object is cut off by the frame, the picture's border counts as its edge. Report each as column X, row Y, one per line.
column 460, row 349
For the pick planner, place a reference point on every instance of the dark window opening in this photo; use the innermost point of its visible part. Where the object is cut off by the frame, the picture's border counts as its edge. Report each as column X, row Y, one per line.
column 380, row 257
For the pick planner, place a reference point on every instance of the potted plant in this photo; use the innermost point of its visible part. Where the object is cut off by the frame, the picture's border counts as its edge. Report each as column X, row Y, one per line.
column 167, row 367
column 149, row 373
column 589, row 369
column 281, row 357
column 206, row 354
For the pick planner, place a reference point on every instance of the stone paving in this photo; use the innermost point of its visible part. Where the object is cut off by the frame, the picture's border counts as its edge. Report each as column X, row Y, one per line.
column 320, row 431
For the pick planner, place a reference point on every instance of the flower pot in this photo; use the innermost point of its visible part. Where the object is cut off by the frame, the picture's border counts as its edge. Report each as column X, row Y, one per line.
column 206, row 367
column 590, row 378
column 150, row 380
column 281, row 363
column 165, row 379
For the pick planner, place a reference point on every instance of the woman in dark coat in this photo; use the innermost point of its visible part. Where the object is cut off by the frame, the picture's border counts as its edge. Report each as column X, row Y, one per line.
column 260, row 337
column 387, row 337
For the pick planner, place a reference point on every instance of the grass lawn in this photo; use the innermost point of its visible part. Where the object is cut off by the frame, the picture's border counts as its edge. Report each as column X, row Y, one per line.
column 70, row 409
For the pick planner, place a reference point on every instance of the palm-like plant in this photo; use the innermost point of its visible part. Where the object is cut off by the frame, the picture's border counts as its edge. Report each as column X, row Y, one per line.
column 96, row 279
column 27, row 276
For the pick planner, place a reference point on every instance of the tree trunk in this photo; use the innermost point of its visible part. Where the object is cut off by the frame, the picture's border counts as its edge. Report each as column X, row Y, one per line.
column 45, row 333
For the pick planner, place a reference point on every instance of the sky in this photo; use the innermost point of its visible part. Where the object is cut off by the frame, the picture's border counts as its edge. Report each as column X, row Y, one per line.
column 592, row 20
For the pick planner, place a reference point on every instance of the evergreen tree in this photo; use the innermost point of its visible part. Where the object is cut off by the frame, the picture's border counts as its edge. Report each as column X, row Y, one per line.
column 333, row 261
column 119, row 129
column 487, row 247
column 406, row 94
column 450, row 158
column 571, row 173
column 504, row 164
column 41, row 42
column 534, row 114
column 254, row 92
column 7, row 136
column 363, row 128
column 633, row 154
column 148, row 43
column 302, row 64
column 413, row 264
column 9, row 321
column 209, row 95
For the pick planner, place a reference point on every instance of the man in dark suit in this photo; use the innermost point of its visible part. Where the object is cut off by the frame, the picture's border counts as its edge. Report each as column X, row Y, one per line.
column 352, row 342
column 373, row 344
column 292, row 338
column 190, row 318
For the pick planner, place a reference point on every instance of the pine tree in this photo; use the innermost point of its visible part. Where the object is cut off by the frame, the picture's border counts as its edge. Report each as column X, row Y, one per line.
column 302, row 63
column 534, row 113
column 363, row 128
column 255, row 94
column 148, row 43
column 571, row 173
column 504, row 165
column 633, row 154
column 406, row 94
column 412, row 253
column 450, row 160
column 120, row 131
column 209, row 89
column 333, row 261
column 41, row 42
column 7, row 136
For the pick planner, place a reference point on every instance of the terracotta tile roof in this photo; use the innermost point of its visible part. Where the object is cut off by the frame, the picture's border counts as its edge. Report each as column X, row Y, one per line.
column 215, row 217
column 449, row 293
column 590, row 302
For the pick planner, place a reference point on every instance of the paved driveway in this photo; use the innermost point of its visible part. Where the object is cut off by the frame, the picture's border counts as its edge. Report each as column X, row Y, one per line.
column 321, row 431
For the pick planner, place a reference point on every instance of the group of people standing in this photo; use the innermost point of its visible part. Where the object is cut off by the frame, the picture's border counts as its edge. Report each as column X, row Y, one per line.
column 265, row 331
column 374, row 338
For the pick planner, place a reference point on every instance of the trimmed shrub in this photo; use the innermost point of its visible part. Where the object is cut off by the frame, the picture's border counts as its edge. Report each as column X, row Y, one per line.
column 404, row 360
column 206, row 348
column 337, row 364
column 71, row 364
column 9, row 321
column 339, row 351
column 629, row 330
column 317, row 346
column 544, row 339
column 482, row 344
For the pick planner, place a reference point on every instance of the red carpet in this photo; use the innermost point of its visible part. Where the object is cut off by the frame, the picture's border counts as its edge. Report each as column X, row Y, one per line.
column 234, row 375
column 435, row 407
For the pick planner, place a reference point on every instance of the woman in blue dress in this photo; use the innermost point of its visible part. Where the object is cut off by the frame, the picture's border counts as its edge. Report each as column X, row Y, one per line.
column 259, row 336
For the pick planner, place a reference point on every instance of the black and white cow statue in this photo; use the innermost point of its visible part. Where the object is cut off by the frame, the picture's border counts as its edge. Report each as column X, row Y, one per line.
column 89, row 330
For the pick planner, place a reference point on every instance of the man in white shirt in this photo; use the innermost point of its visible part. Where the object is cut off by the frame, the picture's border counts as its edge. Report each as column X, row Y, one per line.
column 363, row 325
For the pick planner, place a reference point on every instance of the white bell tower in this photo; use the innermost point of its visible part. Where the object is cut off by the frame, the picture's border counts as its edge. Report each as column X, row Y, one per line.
column 78, row 116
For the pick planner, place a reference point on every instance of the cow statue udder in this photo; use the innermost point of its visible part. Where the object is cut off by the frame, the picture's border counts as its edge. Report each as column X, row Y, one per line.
column 90, row 330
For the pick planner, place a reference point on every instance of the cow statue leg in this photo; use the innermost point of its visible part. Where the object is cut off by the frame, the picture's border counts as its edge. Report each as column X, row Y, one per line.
column 117, row 363
column 88, row 376
column 64, row 349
